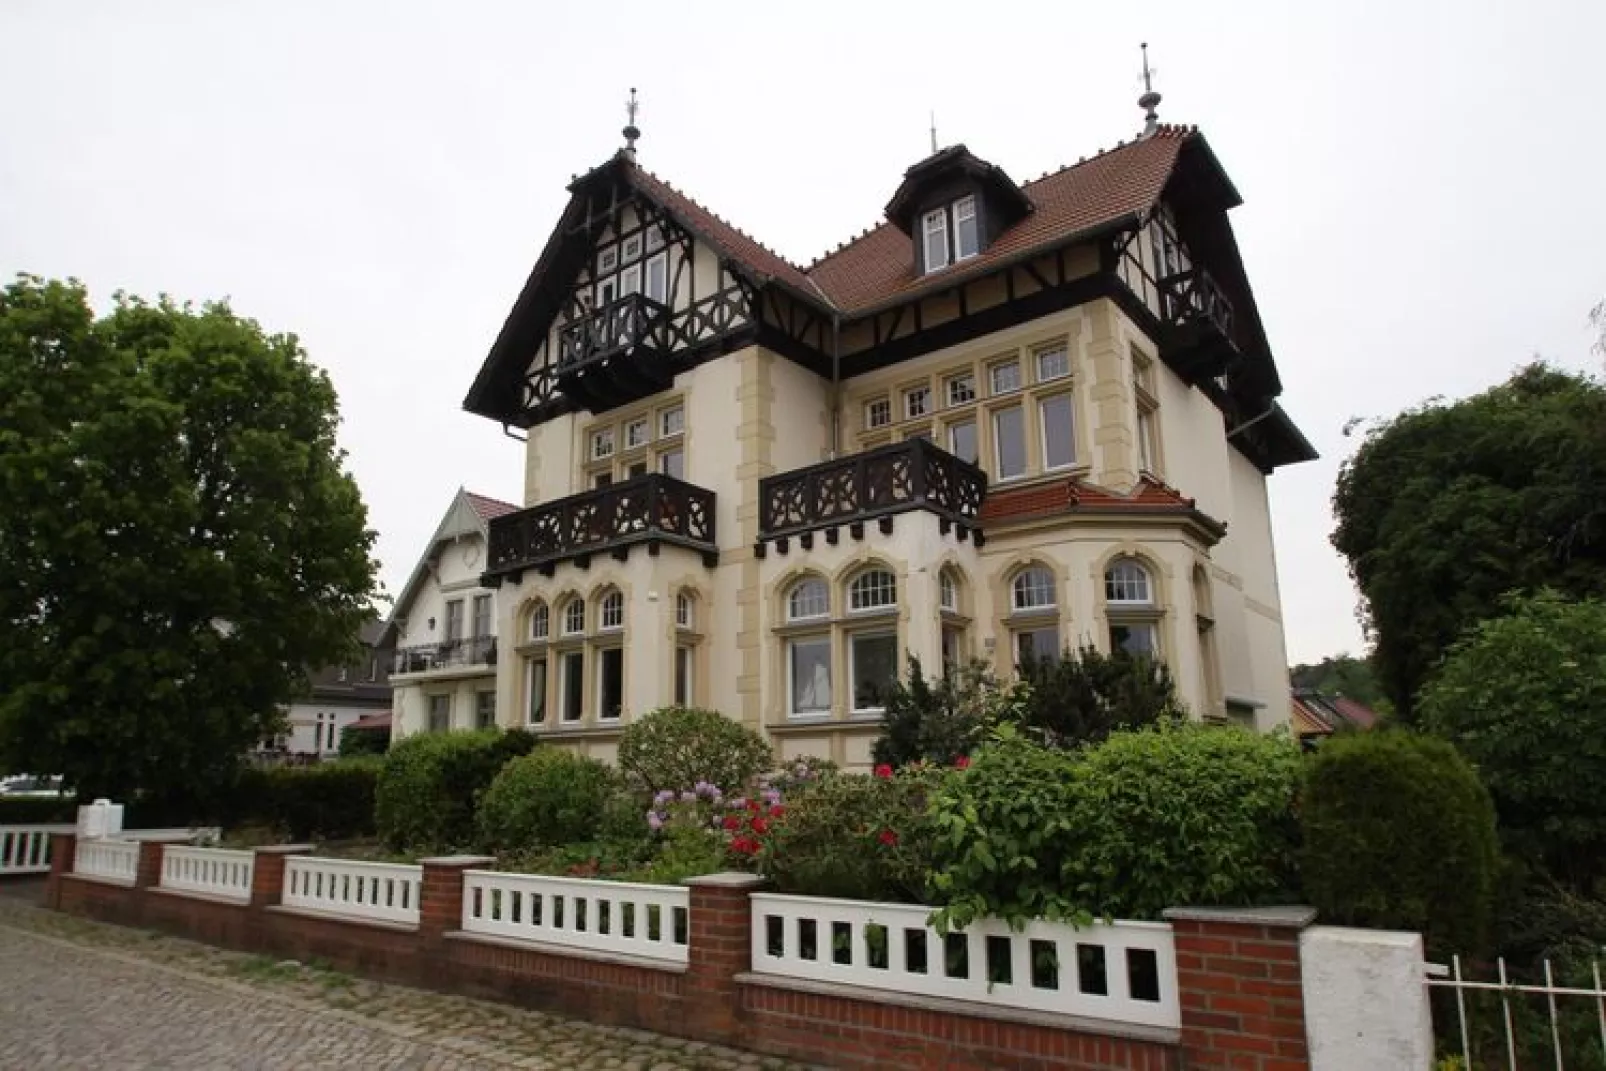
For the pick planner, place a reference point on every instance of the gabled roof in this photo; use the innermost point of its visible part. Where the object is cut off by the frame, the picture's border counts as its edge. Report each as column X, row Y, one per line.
column 1073, row 495
column 468, row 512
column 489, row 508
column 1329, row 714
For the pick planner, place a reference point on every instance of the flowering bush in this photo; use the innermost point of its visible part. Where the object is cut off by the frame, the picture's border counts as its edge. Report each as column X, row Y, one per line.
column 676, row 748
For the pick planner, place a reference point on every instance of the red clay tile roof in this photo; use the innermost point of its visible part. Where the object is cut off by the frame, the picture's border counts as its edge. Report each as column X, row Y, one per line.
column 380, row 720
column 879, row 266
column 731, row 240
column 1072, row 495
column 490, row 508
column 1333, row 713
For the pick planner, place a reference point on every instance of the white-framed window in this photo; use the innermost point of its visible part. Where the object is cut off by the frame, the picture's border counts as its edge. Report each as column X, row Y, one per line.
column 574, row 617
column 655, row 283
column 1004, row 377
column 601, row 444
column 613, row 611
column 1033, row 588
column 1057, row 424
column 1009, row 443
column 630, row 280
column 808, row 670
column 540, row 622
column 684, row 614
column 571, row 685
column 1148, row 439
column 673, row 463
column 1040, row 644
column 960, row 389
column 636, row 433
column 962, row 440
column 610, row 683
column 535, row 690
column 934, row 229
column 967, row 235
column 877, row 413
column 484, row 710
column 809, row 598
column 1126, row 583
column 916, row 402
column 1137, row 638
column 454, row 620
column 874, row 589
column 482, row 615
column 1053, row 363
column 872, row 668
column 948, row 591
column 607, row 260
column 685, row 667
column 672, row 421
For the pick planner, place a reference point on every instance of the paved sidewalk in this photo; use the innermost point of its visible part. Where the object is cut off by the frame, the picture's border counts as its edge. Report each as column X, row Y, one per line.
column 79, row 994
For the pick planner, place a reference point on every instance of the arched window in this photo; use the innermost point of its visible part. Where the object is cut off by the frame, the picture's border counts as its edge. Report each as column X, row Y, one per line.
column 574, row 617
column 685, row 615
column 948, row 591
column 874, row 589
column 540, row 622
column 1033, row 589
column 809, row 598
column 1126, row 583
column 613, row 611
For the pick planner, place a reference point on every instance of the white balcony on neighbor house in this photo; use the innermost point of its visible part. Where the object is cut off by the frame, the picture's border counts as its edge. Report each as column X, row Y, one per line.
column 471, row 657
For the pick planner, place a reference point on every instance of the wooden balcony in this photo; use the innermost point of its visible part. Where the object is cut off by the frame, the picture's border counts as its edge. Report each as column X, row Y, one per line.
column 1199, row 325
column 875, row 486
column 615, row 355
column 651, row 510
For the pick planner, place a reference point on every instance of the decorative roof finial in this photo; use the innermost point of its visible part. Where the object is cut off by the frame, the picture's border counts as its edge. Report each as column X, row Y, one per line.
column 1150, row 99
column 630, row 131
column 934, row 133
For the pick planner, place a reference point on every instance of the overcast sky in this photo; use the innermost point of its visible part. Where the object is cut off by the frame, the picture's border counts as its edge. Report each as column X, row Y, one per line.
column 1422, row 181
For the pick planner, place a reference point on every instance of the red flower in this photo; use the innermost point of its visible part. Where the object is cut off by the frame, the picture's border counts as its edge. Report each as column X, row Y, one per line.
column 732, row 823
column 883, row 771
column 962, row 762
column 754, row 806
column 744, row 845
column 887, row 837
column 777, row 810
column 760, row 826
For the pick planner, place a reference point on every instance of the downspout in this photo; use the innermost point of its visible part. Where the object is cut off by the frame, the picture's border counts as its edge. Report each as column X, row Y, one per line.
column 836, row 372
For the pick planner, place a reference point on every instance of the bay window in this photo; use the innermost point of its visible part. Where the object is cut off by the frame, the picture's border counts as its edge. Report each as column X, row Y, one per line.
column 1131, row 609
column 873, row 666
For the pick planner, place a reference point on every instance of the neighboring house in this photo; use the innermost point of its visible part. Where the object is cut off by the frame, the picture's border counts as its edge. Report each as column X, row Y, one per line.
column 341, row 695
column 1316, row 716
column 1008, row 419
column 444, row 627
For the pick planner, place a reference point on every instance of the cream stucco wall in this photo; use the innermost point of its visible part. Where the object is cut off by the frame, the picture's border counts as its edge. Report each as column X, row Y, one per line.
column 453, row 573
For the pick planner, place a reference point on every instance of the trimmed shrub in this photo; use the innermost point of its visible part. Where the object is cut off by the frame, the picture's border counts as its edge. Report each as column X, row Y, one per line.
column 430, row 785
column 854, row 836
column 676, row 747
column 548, row 797
column 37, row 810
column 333, row 800
column 1181, row 815
column 939, row 719
column 1400, row 834
column 356, row 742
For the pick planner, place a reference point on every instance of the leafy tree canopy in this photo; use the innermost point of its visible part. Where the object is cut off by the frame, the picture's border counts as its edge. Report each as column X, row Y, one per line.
column 179, row 537
column 1523, row 696
column 1447, row 507
column 1341, row 675
column 1086, row 695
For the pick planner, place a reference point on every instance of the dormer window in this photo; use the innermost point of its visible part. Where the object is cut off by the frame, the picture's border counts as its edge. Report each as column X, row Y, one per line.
column 951, row 233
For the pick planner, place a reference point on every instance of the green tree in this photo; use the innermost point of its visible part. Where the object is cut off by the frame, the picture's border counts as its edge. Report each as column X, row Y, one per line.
column 1523, row 696
column 1086, row 695
column 179, row 538
column 939, row 719
column 1341, row 675
column 1447, row 507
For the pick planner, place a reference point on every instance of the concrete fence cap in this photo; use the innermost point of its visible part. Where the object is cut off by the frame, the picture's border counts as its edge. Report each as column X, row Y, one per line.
column 1293, row 916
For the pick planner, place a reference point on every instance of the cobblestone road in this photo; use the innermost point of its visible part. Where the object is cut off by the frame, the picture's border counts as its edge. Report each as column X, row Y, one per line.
column 76, row 994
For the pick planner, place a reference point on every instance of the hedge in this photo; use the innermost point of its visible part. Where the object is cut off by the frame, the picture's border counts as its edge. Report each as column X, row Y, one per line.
column 430, row 786
column 546, row 798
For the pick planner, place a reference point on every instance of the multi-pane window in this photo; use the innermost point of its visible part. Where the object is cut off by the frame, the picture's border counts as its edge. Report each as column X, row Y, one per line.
column 810, row 598
column 1004, row 377
column 1126, row 582
column 960, row 389
column 948, row 591
column 574, row 617
column 484, row 710
column 535, row 683
column 601, row 443
column 440, row 713
column 540, row 622
column 873, row 664
column 620, row 269
column 482, row 615
column 950, row 233
column 877, row 413
column 610, row 682
column 613, row 611
column 454, row 620
column 672, row 463
column 916, row 402
column 1056, row 419
column 1009, row 443
column 636, row 433
column 1134, row 637
column 1037, row 645
column 672, row 421
column 625, row 449
column 1033, row 589
column 684, row 663
column 873, row 590
column 934, row 228
column 962, row 440
column 572, row 685
column 1053, row 363
column 809, row 670
column 967, row 235
column 683, row 611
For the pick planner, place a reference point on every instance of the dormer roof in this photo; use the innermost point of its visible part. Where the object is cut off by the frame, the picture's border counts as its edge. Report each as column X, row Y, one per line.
column 946, row 169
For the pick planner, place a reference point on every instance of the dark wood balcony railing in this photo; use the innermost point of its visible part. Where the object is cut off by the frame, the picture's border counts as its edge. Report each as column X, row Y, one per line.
column 1199, row 319
column 649, row 509
column 473, row 651
column 913, row 474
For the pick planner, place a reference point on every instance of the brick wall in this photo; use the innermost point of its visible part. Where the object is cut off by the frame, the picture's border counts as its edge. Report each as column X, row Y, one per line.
column 1239, row 977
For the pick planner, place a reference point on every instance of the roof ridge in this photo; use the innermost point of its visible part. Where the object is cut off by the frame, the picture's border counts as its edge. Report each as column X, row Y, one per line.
column 841, row 246
column 666, row 184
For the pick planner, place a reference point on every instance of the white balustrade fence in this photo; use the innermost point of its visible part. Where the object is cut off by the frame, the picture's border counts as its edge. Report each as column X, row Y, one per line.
column 648, row 921
column 386, row 892
column 26, row 849
column 209, row 871
column 1123, row 972
column 109, row 860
